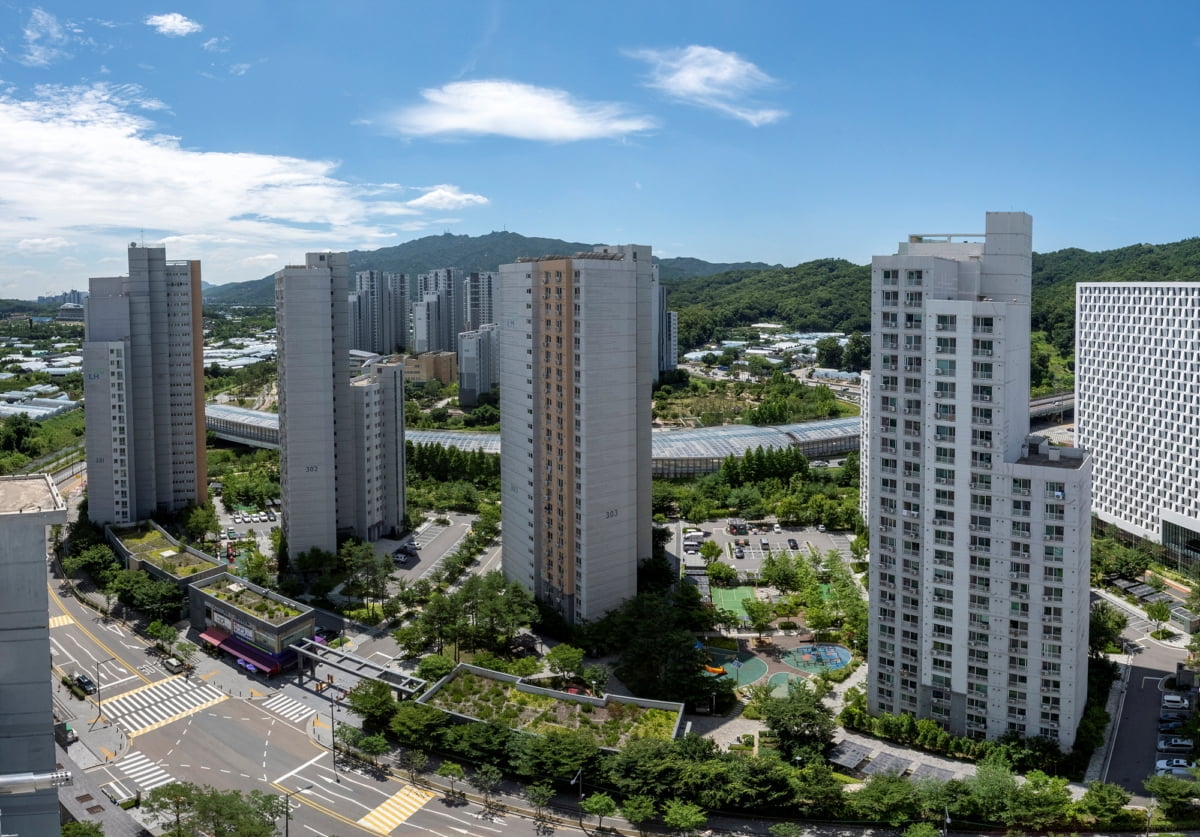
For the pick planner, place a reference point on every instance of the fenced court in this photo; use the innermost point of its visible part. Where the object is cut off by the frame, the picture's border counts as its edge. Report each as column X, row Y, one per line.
column 730, row 598
column 814, row 659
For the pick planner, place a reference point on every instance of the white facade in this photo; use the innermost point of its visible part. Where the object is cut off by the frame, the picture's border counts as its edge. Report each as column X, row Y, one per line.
column 316, row 430
column 379, row 312
column 478, row 352
column 28, row 505
column 143, row 361
column 378, row 397
column 440, row 333
column 478, row 300
column 1137, row 408
column 980, row 533
column 576, row 365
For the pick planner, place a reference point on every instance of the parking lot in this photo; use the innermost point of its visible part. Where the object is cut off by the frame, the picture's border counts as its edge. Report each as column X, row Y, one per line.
column 753, row 550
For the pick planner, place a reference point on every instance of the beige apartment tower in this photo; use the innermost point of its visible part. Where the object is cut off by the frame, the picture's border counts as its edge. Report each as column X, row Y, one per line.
column 576, row 366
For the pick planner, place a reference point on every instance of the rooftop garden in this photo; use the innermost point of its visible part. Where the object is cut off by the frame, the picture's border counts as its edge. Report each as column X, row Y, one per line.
column 251, row 601
column 148, row 544
column 614, row 723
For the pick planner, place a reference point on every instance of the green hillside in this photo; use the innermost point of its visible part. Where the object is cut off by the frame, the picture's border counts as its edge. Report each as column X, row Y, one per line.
column 470, row 253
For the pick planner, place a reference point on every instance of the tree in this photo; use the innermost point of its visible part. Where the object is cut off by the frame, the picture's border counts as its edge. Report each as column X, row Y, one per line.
column 1103, row 801
column 857, row 355
column 372, row 701
column 556, row 756
column 1105, row 624
column 369, row 571
column 721, row 574
column 201, row 520
column 82, row 829
column 637, row 810
column 373, row 745
column 599, row 805
column 434, row 667
column 414, row 762
column 1158, row 613
column 886, row 797
column 210, row 811
column 417, row 723
column 452, row 771
column 759, row 613
column 829, row 353
column 164, row 635
column 539, row 796
column 174, row 801
column 1174, row 794
column 485, row 779
column 185, row 651
column 922, row 829
column 710, row 551
column 564, row 660
column 803, row 724
column 684, row 817
column 596, row 677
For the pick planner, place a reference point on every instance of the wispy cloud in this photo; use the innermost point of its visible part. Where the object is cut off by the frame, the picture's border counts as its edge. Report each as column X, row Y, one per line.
column 217, row 44
column 239, row 69
column 710, row 78
column 511, row 109
column 84, row 168
column 173, row 25
column 445, row 196
column 45, row 40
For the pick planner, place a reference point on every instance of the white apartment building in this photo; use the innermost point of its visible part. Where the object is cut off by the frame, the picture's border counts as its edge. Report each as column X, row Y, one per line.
column 143, row 382
column 980, row 533
column 1137, row 408
column 478, row 300
column 316, row 418
column 576, row 365
column 379, row 501
column 478, row 353
column 436, row 329
column 379, row 312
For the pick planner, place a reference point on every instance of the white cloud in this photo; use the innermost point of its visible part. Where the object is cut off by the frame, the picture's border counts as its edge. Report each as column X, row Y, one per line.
column 85, row 168
column 445, row 197
column 217, row 44
column 710, row 78
column 173, row 25
column 512, row 109
column 45, row 40
column 42, row 245
column 239, row 69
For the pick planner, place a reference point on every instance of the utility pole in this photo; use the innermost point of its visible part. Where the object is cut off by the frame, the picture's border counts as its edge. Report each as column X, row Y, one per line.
column 287, row 802
column 333, row 740
column 99, row 698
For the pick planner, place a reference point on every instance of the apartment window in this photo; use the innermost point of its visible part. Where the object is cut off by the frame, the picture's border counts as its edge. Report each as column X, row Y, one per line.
column 947, row 322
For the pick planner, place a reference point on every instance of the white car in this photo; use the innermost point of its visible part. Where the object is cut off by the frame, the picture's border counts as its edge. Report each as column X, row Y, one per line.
column 1171, row 764
column 778, row 529
column 1175, row 702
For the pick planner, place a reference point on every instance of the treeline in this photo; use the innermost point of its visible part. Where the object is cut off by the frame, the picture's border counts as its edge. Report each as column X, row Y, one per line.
column 23, row 440
column 764, row 482
column 824, row 295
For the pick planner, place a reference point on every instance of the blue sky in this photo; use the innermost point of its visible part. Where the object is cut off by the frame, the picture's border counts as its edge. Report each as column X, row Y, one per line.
column 245, row 134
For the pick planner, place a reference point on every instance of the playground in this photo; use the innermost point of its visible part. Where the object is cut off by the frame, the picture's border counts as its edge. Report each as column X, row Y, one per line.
column 740, row 667
column 814, row 659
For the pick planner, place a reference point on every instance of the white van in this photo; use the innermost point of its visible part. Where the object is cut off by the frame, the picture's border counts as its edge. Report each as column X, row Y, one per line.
column 1175, row 702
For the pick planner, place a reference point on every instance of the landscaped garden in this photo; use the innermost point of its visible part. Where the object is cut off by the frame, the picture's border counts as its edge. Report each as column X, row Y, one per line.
column 539, row 711
column 253, row 602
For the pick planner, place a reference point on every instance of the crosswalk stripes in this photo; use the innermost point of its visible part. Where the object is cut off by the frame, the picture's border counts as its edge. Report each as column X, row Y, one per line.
column 398, row 808
column 59, row 621
column 158, row 704
column 292, row 710
column 146, row 773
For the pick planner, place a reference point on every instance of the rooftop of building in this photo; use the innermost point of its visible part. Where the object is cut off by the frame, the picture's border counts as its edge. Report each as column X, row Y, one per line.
column 29, row 493
column 251, row 599
column 1040, row 451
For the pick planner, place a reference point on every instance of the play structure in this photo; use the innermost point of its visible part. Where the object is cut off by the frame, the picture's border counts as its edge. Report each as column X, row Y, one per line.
column 715, row 669
column 817, row 658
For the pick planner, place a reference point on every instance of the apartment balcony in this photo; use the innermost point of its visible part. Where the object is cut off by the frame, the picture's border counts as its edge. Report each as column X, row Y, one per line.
column 942, row 394
column 946, row 350
column 982, row 329
column 944, row 437
column 980, row 443
column 978, row 420
column 980, row 588
column 982, row 352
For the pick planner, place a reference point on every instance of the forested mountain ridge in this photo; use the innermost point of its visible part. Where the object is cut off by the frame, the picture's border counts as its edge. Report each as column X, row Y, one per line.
column 470, row 253
column 824, row 295
column 1056, row 274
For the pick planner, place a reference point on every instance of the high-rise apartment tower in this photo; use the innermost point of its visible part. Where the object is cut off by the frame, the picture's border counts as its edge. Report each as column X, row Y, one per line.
column 576, row 367
column 144, row 386
column 979, row 531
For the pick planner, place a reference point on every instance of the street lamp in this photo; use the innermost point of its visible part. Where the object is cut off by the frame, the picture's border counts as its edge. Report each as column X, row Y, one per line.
column 579, row 778
column 333, row 740
column 287, row 803
column 99, row 699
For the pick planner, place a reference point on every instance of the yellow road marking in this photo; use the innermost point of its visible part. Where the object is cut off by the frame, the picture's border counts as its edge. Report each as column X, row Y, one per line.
column 329, row 812
column 212, row 673
column 317, row 722
column 108, row 754
column 96, row 640
column 59, row 621
column 396, row 810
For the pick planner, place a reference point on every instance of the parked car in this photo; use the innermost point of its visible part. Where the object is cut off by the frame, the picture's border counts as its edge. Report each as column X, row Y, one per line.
column 1176, row 772
column 1171, row 726
column 738, row 552
column 1173, row 716
column 1175, row 745
column 820, row 527
column 1167, row 764
column 766, row 544
column 778, row 529
column 173, row 665
column 793, row 544
column 1175, row 702
column 270, row 515
column 84, row 682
